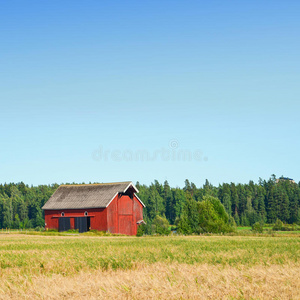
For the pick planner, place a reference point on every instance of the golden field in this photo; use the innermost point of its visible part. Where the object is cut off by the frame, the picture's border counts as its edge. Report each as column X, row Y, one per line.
column 174, row 267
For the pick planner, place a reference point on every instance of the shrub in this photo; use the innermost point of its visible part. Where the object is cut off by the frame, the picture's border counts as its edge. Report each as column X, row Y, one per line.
column 278, row 225
column 231, row 221
column 183, row 225
column 160, row 225
column 39, row 228
column 258, row 227
column 209, row 215
column 140, row 230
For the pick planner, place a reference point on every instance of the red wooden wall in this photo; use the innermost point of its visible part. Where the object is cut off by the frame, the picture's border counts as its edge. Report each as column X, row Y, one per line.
column 123, row 214
column 98, row 217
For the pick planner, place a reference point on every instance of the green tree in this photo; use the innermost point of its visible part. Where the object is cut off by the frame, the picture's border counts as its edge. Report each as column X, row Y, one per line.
column 191, row 212
column 227, row 203
column 179, row 200
column 17, row 222
column 294, row 206
column 7, row 213
column 271, row 206
column 208, row 215
column 160, row 225
column 39, row 220
column 212, row 216
column 155, row 203
column 250, row 213
column 261, row 210
column 170, row 205
column 284, row 205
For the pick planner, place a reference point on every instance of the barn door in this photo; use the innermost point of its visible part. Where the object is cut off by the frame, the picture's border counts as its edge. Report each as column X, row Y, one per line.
column 125, row 224
column 82, row 223
column 125, row 211
column 64, row 224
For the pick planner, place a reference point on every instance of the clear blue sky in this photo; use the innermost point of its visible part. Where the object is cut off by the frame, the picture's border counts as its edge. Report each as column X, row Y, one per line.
column 86, row 85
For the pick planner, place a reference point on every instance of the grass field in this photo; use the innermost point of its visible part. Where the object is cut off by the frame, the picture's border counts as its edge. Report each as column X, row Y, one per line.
column 227, row 267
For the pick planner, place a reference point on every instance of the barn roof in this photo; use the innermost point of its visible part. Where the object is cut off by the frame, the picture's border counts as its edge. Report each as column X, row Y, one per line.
column 83, row 196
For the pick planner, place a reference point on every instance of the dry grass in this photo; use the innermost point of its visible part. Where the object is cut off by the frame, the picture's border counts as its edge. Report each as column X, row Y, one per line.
column 42, row 267
column 162, row 281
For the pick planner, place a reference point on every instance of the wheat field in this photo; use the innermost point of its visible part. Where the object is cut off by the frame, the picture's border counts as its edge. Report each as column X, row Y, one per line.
column 198, row 267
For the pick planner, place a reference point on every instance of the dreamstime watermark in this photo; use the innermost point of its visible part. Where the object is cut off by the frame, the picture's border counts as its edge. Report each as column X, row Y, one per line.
column 171, row 153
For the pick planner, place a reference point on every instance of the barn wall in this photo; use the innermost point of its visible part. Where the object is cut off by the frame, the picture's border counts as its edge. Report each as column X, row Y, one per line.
column 98, row 217
column 138, row 215
column 112, row 216
column 123, row 214
column 138, row 209
column 50, row 223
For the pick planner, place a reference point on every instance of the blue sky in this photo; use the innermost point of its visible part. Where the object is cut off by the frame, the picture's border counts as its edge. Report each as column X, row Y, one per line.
column 86, row 86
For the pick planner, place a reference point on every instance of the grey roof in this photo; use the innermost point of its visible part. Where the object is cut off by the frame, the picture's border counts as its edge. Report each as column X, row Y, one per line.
column 86, row 195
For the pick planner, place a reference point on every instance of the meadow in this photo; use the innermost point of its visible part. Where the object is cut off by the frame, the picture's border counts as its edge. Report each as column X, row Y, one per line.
column 174, row 267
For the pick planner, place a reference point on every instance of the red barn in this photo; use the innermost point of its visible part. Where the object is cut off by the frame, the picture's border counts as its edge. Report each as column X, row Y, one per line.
column 112, row 207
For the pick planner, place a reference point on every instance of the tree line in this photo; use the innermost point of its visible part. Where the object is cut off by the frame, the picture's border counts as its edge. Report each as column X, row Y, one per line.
column 244, row 204
column 21, row 205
